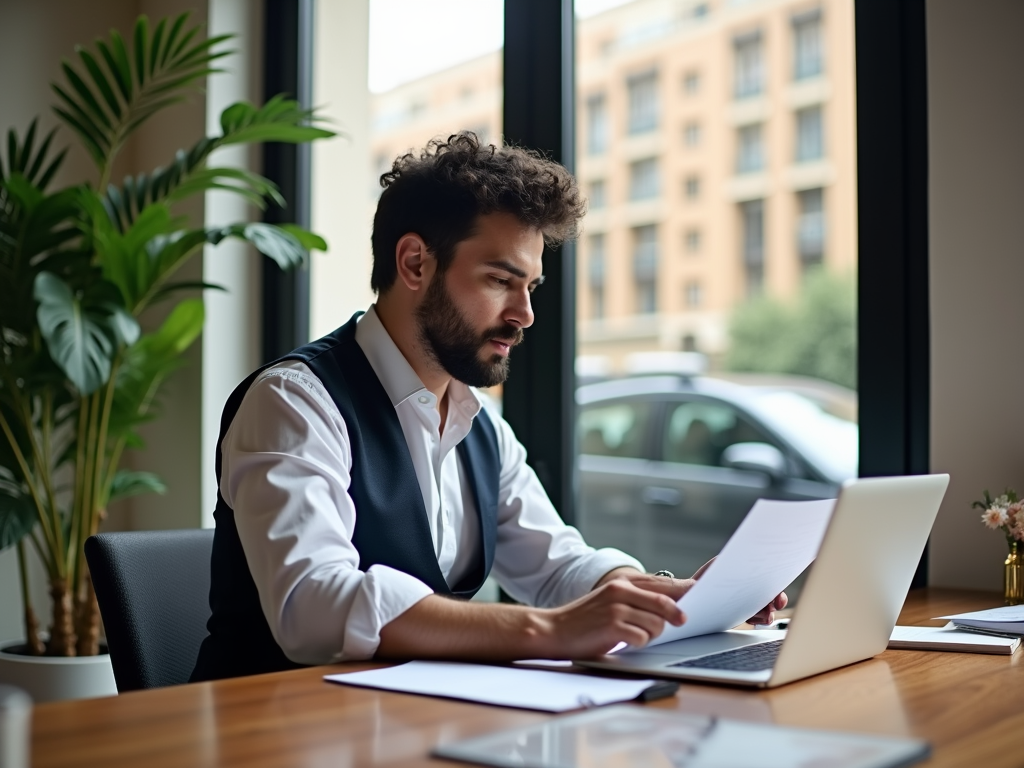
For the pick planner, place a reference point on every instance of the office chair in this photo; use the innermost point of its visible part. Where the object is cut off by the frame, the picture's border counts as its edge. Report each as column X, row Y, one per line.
column 153, row 589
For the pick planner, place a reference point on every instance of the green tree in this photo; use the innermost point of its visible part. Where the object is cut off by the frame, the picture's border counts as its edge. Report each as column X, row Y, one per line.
column 815, row 335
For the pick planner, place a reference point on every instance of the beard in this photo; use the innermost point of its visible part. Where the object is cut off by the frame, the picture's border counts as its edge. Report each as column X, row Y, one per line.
column 450, row 339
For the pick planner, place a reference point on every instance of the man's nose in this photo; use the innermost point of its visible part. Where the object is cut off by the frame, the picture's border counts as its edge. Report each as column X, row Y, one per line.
column 520, row 310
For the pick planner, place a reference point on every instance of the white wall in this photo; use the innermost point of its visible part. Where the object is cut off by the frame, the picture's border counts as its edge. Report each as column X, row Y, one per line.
column 976, row 197
column 341, row 205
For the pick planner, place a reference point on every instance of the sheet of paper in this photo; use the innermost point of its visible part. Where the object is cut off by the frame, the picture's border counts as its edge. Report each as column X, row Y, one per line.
column 772, row 546
column 1012, row 613
column 504, row 686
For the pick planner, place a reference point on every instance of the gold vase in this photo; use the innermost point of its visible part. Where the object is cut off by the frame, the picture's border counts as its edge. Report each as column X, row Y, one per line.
column 1013, row 576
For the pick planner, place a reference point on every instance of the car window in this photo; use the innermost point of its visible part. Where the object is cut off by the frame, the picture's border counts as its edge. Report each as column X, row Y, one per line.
column 616, row 429
column 699, row 432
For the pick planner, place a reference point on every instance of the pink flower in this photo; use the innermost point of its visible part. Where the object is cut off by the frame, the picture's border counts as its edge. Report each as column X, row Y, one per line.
column 994, row 517
column 1013, row 510
column 1018, row 529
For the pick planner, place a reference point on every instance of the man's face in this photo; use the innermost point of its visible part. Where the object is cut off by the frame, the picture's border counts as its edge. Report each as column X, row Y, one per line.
column 474, row 313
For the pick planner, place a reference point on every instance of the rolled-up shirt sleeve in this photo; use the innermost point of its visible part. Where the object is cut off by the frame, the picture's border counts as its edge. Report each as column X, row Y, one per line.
column 539, row 559
column 286, row 464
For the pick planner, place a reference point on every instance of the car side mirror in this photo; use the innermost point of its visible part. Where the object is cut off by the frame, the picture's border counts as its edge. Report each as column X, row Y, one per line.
column 755, row 457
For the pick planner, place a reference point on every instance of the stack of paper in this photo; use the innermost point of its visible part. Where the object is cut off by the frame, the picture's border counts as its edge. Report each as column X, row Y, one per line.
column 1008, row 620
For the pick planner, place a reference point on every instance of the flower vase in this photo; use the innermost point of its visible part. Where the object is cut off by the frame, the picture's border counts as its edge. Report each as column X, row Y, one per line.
column 1013, row 576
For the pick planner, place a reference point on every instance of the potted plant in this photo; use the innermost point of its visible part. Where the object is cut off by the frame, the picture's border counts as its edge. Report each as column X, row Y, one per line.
column 79, row 267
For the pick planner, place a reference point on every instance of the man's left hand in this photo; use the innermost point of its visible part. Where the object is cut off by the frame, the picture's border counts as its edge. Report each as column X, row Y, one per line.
column 676, row 588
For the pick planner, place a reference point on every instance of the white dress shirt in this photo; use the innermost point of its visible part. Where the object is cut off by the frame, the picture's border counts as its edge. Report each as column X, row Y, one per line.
column 286, row 470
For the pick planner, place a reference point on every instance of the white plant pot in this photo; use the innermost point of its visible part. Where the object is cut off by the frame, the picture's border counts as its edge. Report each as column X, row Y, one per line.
column 56, row 678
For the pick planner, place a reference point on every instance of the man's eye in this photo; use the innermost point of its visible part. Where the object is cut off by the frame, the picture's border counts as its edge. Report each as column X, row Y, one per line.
column 500, row 280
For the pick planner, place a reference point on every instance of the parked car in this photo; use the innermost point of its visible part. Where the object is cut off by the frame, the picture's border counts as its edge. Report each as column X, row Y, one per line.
column 669, row 465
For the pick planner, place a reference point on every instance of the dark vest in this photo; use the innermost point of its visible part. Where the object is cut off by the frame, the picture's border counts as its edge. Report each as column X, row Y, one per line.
column 391, row 522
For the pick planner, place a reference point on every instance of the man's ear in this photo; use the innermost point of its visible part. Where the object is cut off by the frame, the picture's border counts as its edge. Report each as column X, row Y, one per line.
column 414, row 262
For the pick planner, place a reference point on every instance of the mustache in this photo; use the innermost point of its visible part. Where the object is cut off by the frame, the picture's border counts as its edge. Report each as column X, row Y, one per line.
column 508, row 334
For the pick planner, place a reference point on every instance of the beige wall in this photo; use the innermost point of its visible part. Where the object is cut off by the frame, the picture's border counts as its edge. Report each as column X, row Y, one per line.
column 976, row 125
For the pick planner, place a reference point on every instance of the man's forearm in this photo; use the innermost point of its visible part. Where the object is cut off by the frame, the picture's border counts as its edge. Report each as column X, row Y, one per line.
column 442, row 628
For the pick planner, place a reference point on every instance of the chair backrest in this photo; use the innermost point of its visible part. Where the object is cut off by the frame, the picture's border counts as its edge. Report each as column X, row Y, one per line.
column 153, row 589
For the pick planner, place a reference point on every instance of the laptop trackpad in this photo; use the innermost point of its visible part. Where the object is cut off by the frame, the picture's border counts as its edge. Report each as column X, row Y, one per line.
column 704, row 644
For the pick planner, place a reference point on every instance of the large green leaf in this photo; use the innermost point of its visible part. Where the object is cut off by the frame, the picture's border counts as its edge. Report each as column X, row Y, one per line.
column 17, row 515
column 34, row 164
column 147, row 363
column 82, row 332
column 279, row 120
column 111, row 91
column 128, row 483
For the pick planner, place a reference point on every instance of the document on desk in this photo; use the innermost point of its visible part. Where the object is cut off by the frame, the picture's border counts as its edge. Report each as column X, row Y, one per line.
column 775, row 542
column 503, row 686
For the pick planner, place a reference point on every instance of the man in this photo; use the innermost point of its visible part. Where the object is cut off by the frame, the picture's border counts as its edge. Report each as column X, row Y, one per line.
column 363, row 486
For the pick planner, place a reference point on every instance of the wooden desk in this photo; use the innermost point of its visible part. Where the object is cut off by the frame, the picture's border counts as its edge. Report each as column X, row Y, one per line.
column 969, row 706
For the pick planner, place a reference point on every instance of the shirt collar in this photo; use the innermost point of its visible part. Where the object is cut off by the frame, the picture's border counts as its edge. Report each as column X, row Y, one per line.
column 394, row 372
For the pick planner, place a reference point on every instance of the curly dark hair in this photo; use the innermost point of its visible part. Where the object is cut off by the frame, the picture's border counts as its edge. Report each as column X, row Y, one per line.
column 439, row 195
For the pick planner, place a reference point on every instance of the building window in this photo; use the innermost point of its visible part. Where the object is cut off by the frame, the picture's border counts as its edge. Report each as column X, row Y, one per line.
column 749, row 149
column 752, row 215
column 807, row 49
column 691, row 134
column 643, row 102
column 691, row 83
column 693, row 294
column 749, row 66
column 810, row 141
column 643, row 179
column 811, row 228
column 596, row 197
column 596, row 275
column 692, row 187
column 645, row 267
column 689, row 343
column 597, row 124
column 692, row 239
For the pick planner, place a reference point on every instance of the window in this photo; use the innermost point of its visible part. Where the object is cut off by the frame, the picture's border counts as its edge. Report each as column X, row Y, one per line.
column 597, row 124
column 643, row 179
column 596, row 198
column 807, row 58
column 752, row 215
column 699, row 432
column 749, row 149
column 596, row 275
column 810, row 142
column 692, row 294
column 643, row 102
column 616, row 429
column 691, row 134
column 645, row 267
column 749, row 66
column 692, row 187
column 691, row 83
column 693, row 240
column 811, row 227
column 689, row 343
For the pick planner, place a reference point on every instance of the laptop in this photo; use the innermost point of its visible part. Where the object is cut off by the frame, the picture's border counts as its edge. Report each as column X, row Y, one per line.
column 849, row 603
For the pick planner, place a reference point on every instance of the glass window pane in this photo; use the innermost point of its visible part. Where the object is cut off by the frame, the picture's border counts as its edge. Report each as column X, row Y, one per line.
column 618, row 429
column 729, row 264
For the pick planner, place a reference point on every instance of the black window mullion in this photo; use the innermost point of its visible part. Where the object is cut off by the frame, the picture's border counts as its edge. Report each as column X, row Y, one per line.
column 539, row 398
column 288, row 69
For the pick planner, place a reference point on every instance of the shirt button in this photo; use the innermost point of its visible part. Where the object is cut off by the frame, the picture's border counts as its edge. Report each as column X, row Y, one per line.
column 424, row 399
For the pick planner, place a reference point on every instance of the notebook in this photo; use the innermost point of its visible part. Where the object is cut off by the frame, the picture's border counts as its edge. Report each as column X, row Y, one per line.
column 949, row 638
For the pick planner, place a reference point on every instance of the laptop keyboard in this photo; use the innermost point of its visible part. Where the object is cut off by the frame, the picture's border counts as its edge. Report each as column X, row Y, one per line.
column 749, row 658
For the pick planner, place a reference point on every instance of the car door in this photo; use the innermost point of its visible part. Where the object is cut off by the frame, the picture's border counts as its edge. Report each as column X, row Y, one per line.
column 615, row 452
column 697, row 499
